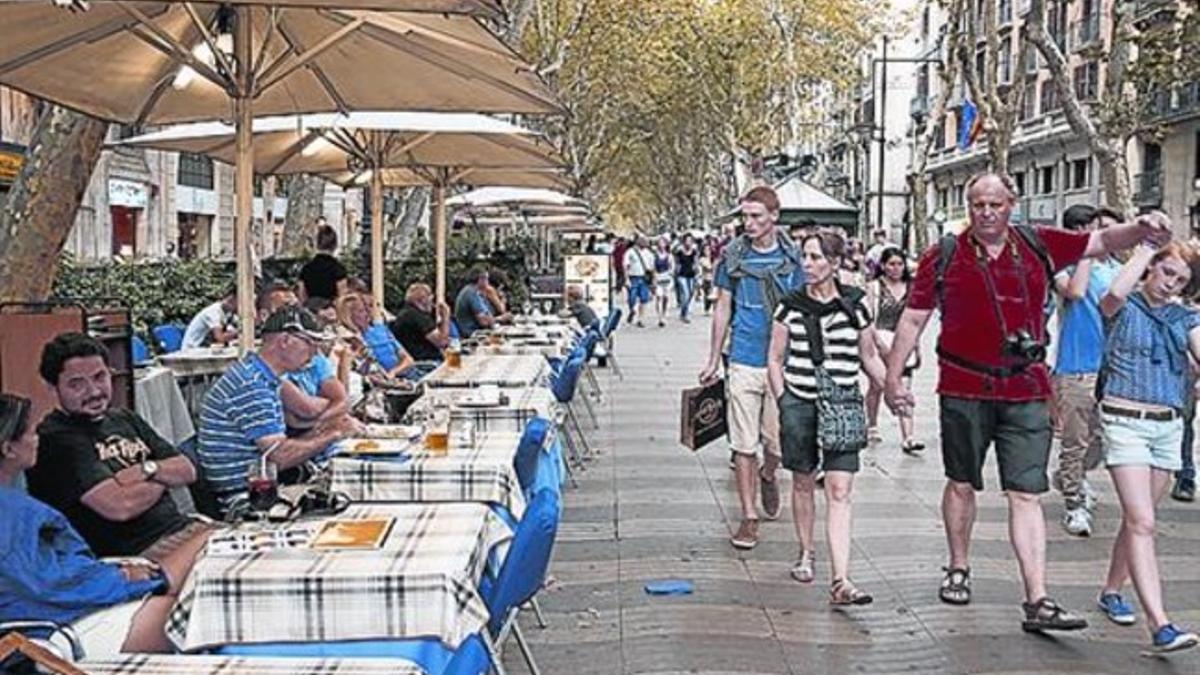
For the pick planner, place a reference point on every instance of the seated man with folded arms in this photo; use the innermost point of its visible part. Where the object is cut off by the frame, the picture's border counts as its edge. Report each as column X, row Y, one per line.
column 48, row 573
column 243, row 415
column 105, row 468
column 215, row 324
column 422, row 329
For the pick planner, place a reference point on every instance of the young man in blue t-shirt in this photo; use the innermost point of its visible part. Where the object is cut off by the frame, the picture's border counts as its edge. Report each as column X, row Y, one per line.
column 1080, row 349
column 755, row 270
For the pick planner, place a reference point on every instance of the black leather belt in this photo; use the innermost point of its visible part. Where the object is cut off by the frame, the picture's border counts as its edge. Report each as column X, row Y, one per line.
column 983, row 368
column 1153, row 415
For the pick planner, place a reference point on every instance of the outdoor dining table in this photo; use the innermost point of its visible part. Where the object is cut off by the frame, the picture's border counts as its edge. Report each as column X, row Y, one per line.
column 185, row 664
column 199, row 361
column 500, row 370
column 518, row 406
column 421, row 583
column 481, row 473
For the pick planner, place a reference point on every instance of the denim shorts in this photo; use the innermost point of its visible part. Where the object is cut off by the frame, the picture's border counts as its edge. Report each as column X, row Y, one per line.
column 639, row 291
column 1131, row 441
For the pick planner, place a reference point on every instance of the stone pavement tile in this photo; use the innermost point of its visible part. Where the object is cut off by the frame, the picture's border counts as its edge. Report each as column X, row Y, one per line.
column 711, row 651
column 574, row 658
column 916, row 657
column 1018, row 653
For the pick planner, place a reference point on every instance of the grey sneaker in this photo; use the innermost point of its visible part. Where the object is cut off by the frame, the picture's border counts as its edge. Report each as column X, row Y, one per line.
column 1078, row 522
column 772, row 504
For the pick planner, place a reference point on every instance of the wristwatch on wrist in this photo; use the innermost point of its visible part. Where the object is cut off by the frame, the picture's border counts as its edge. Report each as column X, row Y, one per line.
column 149, row 469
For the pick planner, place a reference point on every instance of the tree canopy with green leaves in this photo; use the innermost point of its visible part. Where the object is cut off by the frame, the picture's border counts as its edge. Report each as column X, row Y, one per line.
column 663, row 94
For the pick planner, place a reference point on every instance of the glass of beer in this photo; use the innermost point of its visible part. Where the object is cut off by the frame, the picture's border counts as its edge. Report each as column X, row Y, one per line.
column 437, row 433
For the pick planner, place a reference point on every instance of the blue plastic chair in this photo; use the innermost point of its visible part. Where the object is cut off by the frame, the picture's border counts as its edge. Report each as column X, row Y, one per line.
column 470, row 659
column 522, row 574
column 614, row 322
column 169, row 338
column 139, row 351
column 529, row 451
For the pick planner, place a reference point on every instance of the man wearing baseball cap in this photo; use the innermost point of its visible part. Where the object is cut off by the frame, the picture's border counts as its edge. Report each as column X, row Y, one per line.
column 242, row 417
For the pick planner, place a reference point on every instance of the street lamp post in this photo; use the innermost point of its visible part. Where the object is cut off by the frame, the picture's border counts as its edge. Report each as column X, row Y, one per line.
column 881, row 128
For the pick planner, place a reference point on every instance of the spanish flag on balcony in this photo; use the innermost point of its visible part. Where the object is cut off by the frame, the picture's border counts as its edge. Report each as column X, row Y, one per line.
column 970, row 125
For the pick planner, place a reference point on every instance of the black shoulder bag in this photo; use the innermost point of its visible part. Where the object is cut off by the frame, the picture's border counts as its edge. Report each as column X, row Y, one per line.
column 841, row 412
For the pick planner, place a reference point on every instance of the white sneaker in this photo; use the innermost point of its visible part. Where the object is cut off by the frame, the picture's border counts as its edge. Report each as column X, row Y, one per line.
column 1089, row 495
column 1078, row 522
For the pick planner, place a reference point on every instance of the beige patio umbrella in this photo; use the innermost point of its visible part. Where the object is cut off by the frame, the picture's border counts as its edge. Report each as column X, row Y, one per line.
column 163, row 62
column 380, row 149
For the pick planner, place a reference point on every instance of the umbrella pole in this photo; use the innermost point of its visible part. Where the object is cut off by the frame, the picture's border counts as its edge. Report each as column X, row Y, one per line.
column 439, row 237
column 243, row 184
column 377, row 241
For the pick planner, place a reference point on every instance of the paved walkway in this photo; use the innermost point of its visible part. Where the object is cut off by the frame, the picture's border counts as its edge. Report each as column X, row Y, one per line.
column 647, row 508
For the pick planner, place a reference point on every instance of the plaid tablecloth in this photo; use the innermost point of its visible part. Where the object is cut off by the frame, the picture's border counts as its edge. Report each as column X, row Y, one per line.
column 170, row 664
column 524, row 404
column 477, row 369
column 423, row 582
column 483, row 473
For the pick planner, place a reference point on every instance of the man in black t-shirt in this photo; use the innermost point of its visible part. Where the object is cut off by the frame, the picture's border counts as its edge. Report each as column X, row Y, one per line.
column 421, row 332
column 324, row 276
column 106, row 470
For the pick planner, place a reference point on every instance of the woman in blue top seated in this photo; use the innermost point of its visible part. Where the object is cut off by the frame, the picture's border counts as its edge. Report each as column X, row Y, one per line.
column 379, row 352
column 1143, row 382
column 48, row 573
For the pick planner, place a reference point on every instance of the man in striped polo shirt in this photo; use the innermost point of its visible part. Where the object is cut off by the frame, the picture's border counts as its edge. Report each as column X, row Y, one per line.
column 242, row 417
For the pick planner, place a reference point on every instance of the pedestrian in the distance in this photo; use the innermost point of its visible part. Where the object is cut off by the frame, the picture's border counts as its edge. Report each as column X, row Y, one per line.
column 687, row 258
column 664, row 278
column 993, row 382
column 639, row 270
column 826, row 326
column 1142, row 395
column 887, row 296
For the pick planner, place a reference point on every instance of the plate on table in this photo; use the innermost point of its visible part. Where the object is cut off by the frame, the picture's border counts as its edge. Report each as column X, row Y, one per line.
column 402, row 432
column 367, row 533
column 375, row 447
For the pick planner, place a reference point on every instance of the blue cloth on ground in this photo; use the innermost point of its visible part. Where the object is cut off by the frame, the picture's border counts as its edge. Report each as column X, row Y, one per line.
column 670, row 587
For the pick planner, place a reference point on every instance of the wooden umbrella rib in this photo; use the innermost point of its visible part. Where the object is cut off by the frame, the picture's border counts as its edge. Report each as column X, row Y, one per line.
column 303, row 58
column 518, row 144
column 412, row 144
column 207, row 36
column 272, row 24
column 383, row 19
column 159, row 39
column 461, row 69
column 94, row 34
column 294, row 150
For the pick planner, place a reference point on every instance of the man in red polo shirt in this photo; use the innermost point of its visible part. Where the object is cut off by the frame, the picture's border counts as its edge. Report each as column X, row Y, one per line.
column 992, row 383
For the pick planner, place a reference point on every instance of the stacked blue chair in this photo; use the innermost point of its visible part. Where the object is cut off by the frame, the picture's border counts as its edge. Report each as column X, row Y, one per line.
column 169, row 338
column 522, row 576
column 610, row 326
column 139, row 351
column 564, row 384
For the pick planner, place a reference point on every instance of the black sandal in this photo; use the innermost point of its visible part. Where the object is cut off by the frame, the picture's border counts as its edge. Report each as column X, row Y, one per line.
column 913, row 447
column 844, row 592
column 956, row 586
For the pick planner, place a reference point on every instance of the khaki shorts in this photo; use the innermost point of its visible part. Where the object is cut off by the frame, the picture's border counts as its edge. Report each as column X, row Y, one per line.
column 753, row 413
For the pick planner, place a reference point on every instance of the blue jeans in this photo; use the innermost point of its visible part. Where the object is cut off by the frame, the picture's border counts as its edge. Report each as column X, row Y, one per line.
column 685, row 287
column 1188, row 471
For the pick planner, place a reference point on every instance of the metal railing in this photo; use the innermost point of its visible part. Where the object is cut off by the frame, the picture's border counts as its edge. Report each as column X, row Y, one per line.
column 918, row 106
column 1147, row 188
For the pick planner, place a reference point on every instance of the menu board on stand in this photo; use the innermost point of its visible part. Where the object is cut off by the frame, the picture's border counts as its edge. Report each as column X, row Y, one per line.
column 593, row 275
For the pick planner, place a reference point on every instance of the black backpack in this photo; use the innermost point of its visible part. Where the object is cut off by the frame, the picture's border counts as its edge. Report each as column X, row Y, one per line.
column 948, row 244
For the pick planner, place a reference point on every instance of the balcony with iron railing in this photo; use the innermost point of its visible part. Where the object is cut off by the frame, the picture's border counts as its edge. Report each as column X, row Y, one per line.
column 918, row 106
column 1147, row 189
column 1085, row 32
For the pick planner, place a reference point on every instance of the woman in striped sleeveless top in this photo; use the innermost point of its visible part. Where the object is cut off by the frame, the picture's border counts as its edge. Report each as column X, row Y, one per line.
column 849, row 345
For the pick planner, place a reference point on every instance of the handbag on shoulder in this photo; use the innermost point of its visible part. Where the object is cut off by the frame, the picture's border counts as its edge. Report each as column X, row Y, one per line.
column 841, row 410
